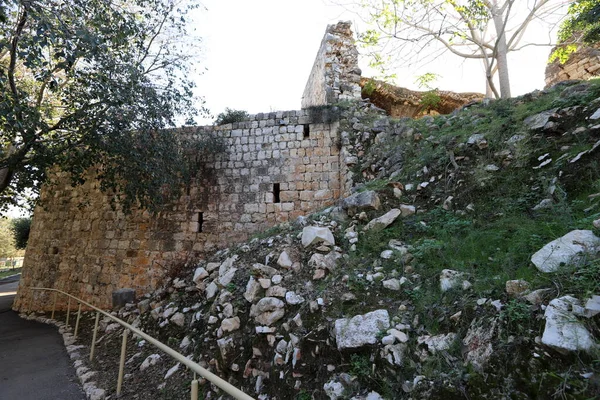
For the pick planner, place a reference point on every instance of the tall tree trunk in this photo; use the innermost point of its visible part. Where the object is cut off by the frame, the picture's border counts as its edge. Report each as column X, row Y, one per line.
column 501, row 53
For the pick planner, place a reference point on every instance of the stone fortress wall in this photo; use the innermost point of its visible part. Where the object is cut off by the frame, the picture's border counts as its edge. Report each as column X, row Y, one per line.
column 584, row 64
column 277, row 166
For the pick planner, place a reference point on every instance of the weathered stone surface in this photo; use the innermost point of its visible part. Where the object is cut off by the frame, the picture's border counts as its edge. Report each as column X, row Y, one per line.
column 199, row 275
column 392, row 284
column 407, row 210
column 362, row 201
column 384, row 221
column 438, row 342
column 151, row 360
column 316, row 234
column 284, row 260
column 252, row 289
column 178, row 319
column 539, row 121
column 230, row 324
column 360, row 330
column 478, row 341
column 293, row 298
column 563, row 331
column 267, row 311
column 565, row 250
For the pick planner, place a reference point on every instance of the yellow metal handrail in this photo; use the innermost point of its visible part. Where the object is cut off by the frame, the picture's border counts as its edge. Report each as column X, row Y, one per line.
column 222, row 384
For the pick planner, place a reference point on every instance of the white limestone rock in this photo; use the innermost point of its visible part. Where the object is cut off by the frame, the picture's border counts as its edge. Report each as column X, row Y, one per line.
column 362, row 201
column 407, row 210
column 199, row 275
column 438, row 342
column 479, row 341
column 384, row 221
column 392, row 284
column 267, row 311
column 334, row 389
column 284, row 260
column 151, row 360
column 227, row 271
column 230, row 324
column 563, row 331
column 293, row 298
column 316, row 234
column 592, row 306
column 211, row 290
column 565, row 250
column 252, row 290
column 178, row 319
column 361, row 330
column 172, row 370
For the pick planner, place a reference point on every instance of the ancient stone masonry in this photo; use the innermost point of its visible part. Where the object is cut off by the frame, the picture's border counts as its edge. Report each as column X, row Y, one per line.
column 582, row 65
column 335, row 75
column 277, row 166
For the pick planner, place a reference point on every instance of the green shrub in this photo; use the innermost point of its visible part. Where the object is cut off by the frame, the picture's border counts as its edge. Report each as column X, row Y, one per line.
column 230, row 115
column 20, row 228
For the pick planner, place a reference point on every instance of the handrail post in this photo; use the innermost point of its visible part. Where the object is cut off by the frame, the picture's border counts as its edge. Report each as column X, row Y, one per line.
column 122, row 362
column 194, row 388
column 54, row 305
column 77, row 322
column 68, row 311
column 94, row 336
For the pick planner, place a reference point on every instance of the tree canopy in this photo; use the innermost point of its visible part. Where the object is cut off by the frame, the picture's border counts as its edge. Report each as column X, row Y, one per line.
column 486, row 30
column 92, row 85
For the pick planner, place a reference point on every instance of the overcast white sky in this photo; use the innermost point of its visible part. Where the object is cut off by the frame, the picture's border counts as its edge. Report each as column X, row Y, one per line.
column 259, row 54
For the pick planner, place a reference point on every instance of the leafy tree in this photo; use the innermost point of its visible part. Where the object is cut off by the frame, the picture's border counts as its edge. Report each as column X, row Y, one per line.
column 485, row 30
column 7, row 243
column 20, row 228
column 89, row 86
column 581, row 26
column 231, row 115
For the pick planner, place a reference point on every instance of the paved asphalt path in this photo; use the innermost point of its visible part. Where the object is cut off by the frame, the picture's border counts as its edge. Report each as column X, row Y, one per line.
column 34, row 364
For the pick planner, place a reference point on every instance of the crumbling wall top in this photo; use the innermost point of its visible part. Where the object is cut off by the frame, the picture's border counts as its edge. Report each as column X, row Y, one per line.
column 335, row 74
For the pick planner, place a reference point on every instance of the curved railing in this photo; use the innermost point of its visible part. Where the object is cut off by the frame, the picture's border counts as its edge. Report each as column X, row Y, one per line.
column 197, row 369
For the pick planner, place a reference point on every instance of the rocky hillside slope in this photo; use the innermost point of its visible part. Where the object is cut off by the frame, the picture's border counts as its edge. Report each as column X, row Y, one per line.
column 464, row 266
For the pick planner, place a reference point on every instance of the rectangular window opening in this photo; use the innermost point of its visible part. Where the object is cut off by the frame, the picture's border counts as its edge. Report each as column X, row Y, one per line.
column 276, row 192
column 200, row 221
column 306, row 131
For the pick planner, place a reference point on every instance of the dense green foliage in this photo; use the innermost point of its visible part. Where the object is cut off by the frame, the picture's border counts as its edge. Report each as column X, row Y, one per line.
column 7, row 242
column 230, row 115
column 90, row 86
column 20, row 228
column 582, row 23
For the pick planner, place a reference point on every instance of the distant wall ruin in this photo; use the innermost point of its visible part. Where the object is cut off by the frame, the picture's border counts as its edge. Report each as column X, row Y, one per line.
column 584, row 64
column 277, row 167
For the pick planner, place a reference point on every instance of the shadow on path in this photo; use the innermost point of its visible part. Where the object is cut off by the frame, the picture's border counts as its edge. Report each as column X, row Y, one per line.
column 35, row 364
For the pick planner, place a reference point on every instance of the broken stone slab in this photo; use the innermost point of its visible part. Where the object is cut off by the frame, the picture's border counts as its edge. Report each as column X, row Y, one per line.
column 539, row 121
column 478, row 341
column 199, row 275
column 563, row 331
column 120, row 297
column 284, row 260
column 407, row 210
column 316, row 234
column 252, row 289
column 363, row 201
column 438, row 342
column 361, row 330
column 565, row 250
column 293, row 298
column 267, row 311
column 230, row 324
column 264, row 270
column 384, row 221
column 392, row 284
column 538, row 296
